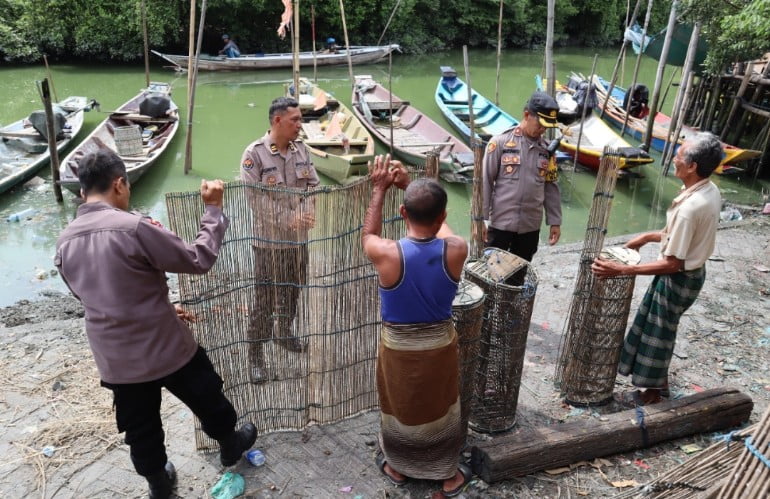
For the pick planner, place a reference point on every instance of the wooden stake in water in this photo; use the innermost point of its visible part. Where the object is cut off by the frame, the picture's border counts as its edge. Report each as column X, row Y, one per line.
column 583, row 112
column 659, row 76
column 549, row 67
column 54, row 153
column 471, row 119
column 347, row 43
column 390, row 98
column 621, row 56
column 50, row 78
column 636, row 66
column 499, row 51
column 295, row 48
column 193, row 73
column 146, row 45
column 312, row 30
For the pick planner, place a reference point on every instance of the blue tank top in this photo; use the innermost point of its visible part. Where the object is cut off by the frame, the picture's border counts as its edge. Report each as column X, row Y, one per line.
column 425, row 290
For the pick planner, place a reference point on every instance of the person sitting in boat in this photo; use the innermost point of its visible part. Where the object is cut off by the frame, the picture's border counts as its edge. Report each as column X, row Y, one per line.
column 331, row 46
column 230, row 49
column 640, row 96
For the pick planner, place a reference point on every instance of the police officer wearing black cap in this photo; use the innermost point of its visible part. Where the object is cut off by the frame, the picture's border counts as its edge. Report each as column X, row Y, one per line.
column 520, row 183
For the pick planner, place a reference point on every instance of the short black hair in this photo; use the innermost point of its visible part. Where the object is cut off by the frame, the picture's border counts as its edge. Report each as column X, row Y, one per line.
column 280, row 105
column 705, row 149
column 97, row 170
column 425, row 201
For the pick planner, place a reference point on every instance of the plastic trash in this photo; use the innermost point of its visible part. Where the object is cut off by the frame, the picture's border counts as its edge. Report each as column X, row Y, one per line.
column 21, row 215
column 48, row 450
column 730, row 214
column 255, row 457
column 229, row 486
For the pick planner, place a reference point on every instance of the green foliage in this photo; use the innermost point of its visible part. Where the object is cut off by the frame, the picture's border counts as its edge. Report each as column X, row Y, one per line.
column 111, row 29
column 736, row 30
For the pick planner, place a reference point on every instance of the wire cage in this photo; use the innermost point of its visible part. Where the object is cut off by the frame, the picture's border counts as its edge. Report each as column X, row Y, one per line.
column 467, row 313
column 507, row 313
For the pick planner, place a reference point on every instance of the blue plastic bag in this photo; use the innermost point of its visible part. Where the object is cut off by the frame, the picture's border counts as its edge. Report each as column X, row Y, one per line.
column 229, row 486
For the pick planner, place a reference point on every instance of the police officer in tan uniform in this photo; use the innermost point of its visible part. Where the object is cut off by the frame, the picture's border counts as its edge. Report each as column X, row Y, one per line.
column 282, row 219
column 519, row 182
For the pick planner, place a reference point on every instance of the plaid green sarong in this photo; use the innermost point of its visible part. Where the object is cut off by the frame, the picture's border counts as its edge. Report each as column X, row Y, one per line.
column 649, row 344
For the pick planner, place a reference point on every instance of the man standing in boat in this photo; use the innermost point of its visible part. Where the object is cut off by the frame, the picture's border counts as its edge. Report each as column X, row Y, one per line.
column 230, row 49
column 519, row 183
column 282, row 218
column 417, row 366
column 115, row 263
column 686, row 242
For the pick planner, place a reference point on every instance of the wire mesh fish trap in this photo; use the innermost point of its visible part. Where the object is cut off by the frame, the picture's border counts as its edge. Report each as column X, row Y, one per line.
column 467, row 313
column 507, row 313
column 591, row 346
column 318, row 354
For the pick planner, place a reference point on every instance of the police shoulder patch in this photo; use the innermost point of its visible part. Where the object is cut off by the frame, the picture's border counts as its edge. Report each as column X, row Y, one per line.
column 492, row 146
column 247, row 164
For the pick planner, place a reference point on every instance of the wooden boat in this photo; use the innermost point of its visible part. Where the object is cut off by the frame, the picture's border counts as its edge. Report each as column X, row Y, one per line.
column 414, row 134
column 358, row 55
column 615, row 115
column 596, row 134
column 156, row 134
column 341, row 146
column 24, row 150
column 452, row 99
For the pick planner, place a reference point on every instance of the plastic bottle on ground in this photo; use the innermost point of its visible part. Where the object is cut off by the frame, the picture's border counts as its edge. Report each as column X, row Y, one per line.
column 255, row 457
column 21, row 215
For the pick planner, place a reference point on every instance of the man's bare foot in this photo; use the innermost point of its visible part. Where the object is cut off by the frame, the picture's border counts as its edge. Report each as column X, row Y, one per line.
column 454, row 482
column 394, row 474
column 651, row 396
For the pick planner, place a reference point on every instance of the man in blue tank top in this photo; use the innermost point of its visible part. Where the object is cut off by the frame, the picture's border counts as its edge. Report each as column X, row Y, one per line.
column 417, row 361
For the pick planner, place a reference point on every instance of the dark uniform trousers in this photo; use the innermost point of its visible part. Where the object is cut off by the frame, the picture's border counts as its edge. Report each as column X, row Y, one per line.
column 281, row 273
column 137, row 410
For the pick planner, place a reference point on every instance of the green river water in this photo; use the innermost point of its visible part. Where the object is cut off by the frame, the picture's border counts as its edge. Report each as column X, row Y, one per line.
column 231, row 111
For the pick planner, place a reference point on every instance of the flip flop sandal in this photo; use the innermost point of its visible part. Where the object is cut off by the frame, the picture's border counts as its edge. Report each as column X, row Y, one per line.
column 467, row 475
column 380, row 462
column 629, row 400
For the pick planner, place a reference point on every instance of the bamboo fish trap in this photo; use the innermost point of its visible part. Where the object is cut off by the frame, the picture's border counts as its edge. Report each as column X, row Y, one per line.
column 590, row 348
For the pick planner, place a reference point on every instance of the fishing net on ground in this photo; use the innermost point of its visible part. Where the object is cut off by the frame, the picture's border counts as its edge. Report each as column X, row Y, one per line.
column 300, row 305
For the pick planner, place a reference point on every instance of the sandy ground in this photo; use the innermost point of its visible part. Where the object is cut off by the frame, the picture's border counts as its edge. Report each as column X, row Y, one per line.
column 58, row 438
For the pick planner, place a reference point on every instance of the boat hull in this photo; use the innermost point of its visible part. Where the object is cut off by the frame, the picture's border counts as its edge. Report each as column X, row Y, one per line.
column 103, row 138
column 18, row 162
column 358, row 55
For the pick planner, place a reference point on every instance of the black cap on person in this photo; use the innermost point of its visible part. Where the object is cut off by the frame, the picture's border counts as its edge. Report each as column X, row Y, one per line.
column 545, row 108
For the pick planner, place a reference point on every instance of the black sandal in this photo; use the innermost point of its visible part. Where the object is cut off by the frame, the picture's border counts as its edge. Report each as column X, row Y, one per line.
column 380, row 461
column 467, row 475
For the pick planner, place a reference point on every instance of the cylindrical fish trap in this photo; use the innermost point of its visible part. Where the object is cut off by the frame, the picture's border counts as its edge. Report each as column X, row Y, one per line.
column 467, row 312
column 597, row 332
column 507, row 312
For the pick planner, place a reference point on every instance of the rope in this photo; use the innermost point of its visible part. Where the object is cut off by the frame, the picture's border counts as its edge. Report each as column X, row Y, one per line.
column 753, row 449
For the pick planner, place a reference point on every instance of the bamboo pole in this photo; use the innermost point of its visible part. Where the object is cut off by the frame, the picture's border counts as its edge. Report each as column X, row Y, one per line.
column 680, row 121
column 45, row 94
column 193, row 71
column 737, row 100
column 583, row 112
column 670, row 82
column 190, row 48
column 471, row 119
column 550, row 76
column 672, row 141
column 50, row 78
column 312, row 28
column 711, row 104
column 630, row 88
column 659, row 76
column 379, row 40
column 621, row 57
column 499, row 51
column 295, row 48
column 477, row 203
column 390, row 98
column 146, row 45
column 347, row 43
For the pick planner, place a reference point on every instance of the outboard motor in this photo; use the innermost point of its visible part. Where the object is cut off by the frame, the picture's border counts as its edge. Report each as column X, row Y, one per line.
column 640, row 96
column 585, row 94
column 37, row 119
column 155, row 106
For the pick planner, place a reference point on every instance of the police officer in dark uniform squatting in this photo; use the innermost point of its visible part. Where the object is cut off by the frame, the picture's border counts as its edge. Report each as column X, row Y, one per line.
column 519, row 182
column 281, row 224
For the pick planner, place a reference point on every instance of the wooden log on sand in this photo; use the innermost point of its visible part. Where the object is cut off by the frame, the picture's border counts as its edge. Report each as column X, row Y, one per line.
column 560, row 445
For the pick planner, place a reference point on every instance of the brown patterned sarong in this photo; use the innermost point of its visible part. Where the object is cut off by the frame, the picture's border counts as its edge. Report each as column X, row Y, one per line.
column 417, row 380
